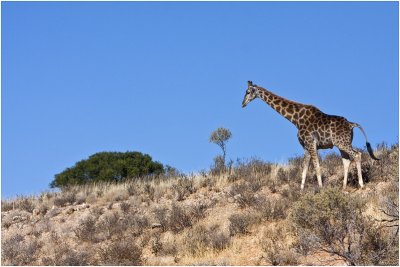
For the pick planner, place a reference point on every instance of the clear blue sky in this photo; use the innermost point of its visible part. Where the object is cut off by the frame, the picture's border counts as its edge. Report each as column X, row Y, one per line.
column 84, row 77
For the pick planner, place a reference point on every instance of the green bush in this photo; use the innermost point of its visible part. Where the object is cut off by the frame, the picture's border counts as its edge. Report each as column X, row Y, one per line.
column 108, row 166
column 333, row 222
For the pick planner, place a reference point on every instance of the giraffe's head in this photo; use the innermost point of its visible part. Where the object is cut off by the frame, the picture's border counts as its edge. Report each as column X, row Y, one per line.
column 251, row 93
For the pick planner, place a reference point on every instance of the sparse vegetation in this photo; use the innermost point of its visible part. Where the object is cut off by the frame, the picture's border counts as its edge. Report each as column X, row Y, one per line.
column 123, row 252
column 239, row 223
column 335, row 223
column 202, row 238
column 253, row 215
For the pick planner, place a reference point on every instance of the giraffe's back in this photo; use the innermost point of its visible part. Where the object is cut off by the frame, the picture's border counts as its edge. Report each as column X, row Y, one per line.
column 327, row 130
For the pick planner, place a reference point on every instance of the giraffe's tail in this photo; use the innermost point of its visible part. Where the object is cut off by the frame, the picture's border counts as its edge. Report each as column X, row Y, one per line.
column 369, row 148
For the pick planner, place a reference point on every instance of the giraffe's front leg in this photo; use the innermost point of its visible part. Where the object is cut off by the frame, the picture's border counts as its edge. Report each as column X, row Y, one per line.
column 315, row 160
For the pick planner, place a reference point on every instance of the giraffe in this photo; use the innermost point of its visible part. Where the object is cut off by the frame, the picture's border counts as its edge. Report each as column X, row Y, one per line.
column 316, row 130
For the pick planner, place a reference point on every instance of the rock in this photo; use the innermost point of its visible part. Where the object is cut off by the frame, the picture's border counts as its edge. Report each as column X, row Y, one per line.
column 19, row 218
column 70, row 210
column 16, row 218
column 35, row 212
column 52, row 213
column 231, row 200
column 82, row 206
column 156, row 225
column 238, row 196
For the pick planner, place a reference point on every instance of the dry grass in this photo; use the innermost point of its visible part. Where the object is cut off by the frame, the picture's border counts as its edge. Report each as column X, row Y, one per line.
column 244, row 217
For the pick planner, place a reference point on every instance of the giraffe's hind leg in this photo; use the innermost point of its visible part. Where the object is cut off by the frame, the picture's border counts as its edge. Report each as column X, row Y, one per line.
column 306, row 163
column 348, row 153
column 346, row 164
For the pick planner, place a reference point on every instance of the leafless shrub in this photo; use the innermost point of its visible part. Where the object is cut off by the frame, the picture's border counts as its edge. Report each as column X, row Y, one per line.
column 218, row 166
column 387, row 168
column 239, row 223
column 272, row 209
column 65, row 198
column 242, row 194
column 160, row 214
column 208, row 182
column 292, row 193
column 43, row 208
column 273, row 184
column 6, row 222
column 132, row 189
column 197, row 211
column 219, row 241
column 136, row 223
column 7, row 205
column 286, row 257
column 178, row 219
column 276, row 249
column 201, row 238
column 281, row 175
column 253, row 166
column 295, row 168
column 125, row 207
column 124, row 252
column 167, row 246
column 306, row 242
column 379, row 248
column 80, row 197
column 330, row 164
column 17, row 251
column 183, row 188
column 149, row 190
column 214, row 262
column 25, row 204
column 10, row 248
column 156, row 245
column 63, row 255
column 255, row 182
column 42, row 226
column 112, row 225
column 53, row 212
column 86, row 229
column 96, row 211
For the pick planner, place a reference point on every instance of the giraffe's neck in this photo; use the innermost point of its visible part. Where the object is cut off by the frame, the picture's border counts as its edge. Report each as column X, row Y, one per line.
column 287, row 108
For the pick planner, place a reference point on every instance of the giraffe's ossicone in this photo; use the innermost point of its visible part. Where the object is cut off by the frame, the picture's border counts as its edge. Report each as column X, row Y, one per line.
column 316, row 130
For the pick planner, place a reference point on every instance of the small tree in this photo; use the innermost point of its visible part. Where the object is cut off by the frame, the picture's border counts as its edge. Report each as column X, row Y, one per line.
column 220, row 137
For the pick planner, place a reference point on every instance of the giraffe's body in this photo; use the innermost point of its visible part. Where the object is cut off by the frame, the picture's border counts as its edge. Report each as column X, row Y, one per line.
column 316, row 130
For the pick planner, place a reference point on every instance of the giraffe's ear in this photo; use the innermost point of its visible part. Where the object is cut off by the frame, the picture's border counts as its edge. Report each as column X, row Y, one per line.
column 250, row 83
